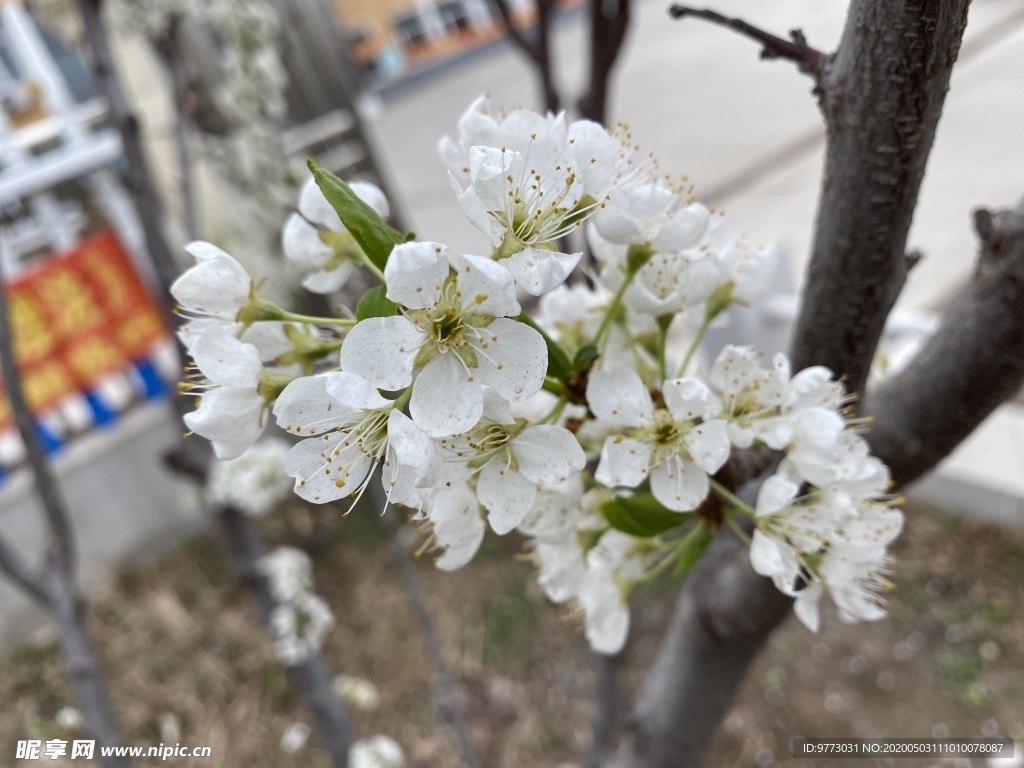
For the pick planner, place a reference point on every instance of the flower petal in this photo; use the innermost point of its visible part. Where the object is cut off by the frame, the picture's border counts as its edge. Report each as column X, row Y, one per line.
column 226, row 361
column 415, row 273
column 618, row 396
column 506, row 495
column 230, row 418
column 354, row 392
column 679, row 484
column 217, row 284
column 382, row 351
column 305, row 407
column 487, row 287
column 458, row 526
column 446, row 399
column 682, row 230
column 708, row 445
column 302, row 244
column 624, row 462
column 690, row 398
column 327, row 468
column 548, row 454
column 314, row 206
column 329, row 280
column 514, row 361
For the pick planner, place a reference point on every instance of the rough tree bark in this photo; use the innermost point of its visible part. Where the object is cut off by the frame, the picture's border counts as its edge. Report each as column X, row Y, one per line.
column 881, row 95
column 53, row 584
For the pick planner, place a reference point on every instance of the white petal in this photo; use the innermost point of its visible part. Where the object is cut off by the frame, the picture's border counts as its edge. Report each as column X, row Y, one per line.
column 415, row 273
column 329, row 280
column 690, row 398
column 353, row 391
column 446, row 400
column 607, row 616
column 382, row 351
column 305, row 407
column 624, row 462
column 477, row 213
column 806, row 606
column 217, row 284
column 316, row 478
column 682, row 230
column 487, row 287
column 679, row 484
column 302, row 244
column 457, row 525
column 489, row 169
column 506, row 495
column 708, row 445
column 314, row 206
column 416, row 453
column 548, row 454
column 496, row 408
column 539, row 270
column 618, row 396
column 777, row 492
column 597, row 151
column 230, row 418
column 765, row 557
column 225, row 360
column 515, row 360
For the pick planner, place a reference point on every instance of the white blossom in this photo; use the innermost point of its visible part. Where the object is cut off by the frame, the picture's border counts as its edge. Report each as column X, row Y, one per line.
column 456, row 331
column 376, row 752
column 254, row 481
column 679, row 445
column 300, row 620
column 316, row 239
column 355, row 429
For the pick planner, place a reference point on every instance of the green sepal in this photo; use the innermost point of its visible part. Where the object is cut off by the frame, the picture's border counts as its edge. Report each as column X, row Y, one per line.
column 689, row 556
column 375, row 236
column 641, row 515
column 376, row 304
column 585, row 355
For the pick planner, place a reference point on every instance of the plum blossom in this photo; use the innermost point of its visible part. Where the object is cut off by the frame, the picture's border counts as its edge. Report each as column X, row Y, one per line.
column 213, row 293
column 300, row 619
column 678, row 445
column 376, row 752
column 510, row 460
column 355, row 429
column 315, row 239
column 526, row 181
column 456, row 330
column 233, row 392
column 254, row 481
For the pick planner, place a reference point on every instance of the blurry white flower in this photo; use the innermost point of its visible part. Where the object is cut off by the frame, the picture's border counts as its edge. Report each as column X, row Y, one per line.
column 300, row 619
column 357, row 692
column 316, row 239
column 294, row 738
column 253, row 481
column 376, row 752
column 215, row 290
column 68, row 718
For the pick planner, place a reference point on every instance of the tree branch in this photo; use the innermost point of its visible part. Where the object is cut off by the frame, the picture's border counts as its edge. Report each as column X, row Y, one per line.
column 882, row 96
column 538, row 50
column 609, row 20
column 513, row 31
column 974, row 362
column 607, row 702
column 809, row 60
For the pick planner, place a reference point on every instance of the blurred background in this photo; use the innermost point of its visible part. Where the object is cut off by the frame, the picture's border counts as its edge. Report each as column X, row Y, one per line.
column 229, row 104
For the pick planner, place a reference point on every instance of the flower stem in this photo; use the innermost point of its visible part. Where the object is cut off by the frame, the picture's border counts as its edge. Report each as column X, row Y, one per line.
column 662, row 343
column 613, row 308
column 695, row 344
column 371, row 266
column 554, row 386
column 556, row 412
column 731, row 497
column 676, row 549
column 343, row 322
column 744, row 536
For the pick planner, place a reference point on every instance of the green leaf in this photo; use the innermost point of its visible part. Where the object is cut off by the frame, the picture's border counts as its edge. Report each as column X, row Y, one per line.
column 584, row 357
column 558, row 362
column 375, row 236
column 689, row 556
column 376, row 304
column 641, row 515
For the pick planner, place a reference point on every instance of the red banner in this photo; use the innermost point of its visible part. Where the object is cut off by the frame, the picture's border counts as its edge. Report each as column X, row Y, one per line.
column 78, row 317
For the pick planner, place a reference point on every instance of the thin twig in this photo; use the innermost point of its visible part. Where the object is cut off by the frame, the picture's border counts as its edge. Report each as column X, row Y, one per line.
column 606, row 707
column 797, row 50
column 447, row 694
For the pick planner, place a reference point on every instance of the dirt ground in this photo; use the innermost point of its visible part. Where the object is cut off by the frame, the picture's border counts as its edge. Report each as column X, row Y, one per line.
column 189, row 664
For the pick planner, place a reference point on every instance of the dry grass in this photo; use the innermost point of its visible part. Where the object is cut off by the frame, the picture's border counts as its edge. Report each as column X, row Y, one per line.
column 189, row 663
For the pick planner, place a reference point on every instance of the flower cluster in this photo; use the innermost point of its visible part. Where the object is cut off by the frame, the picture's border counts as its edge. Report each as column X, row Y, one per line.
column 254, row 481
column 300, row 619
column 586, row 428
